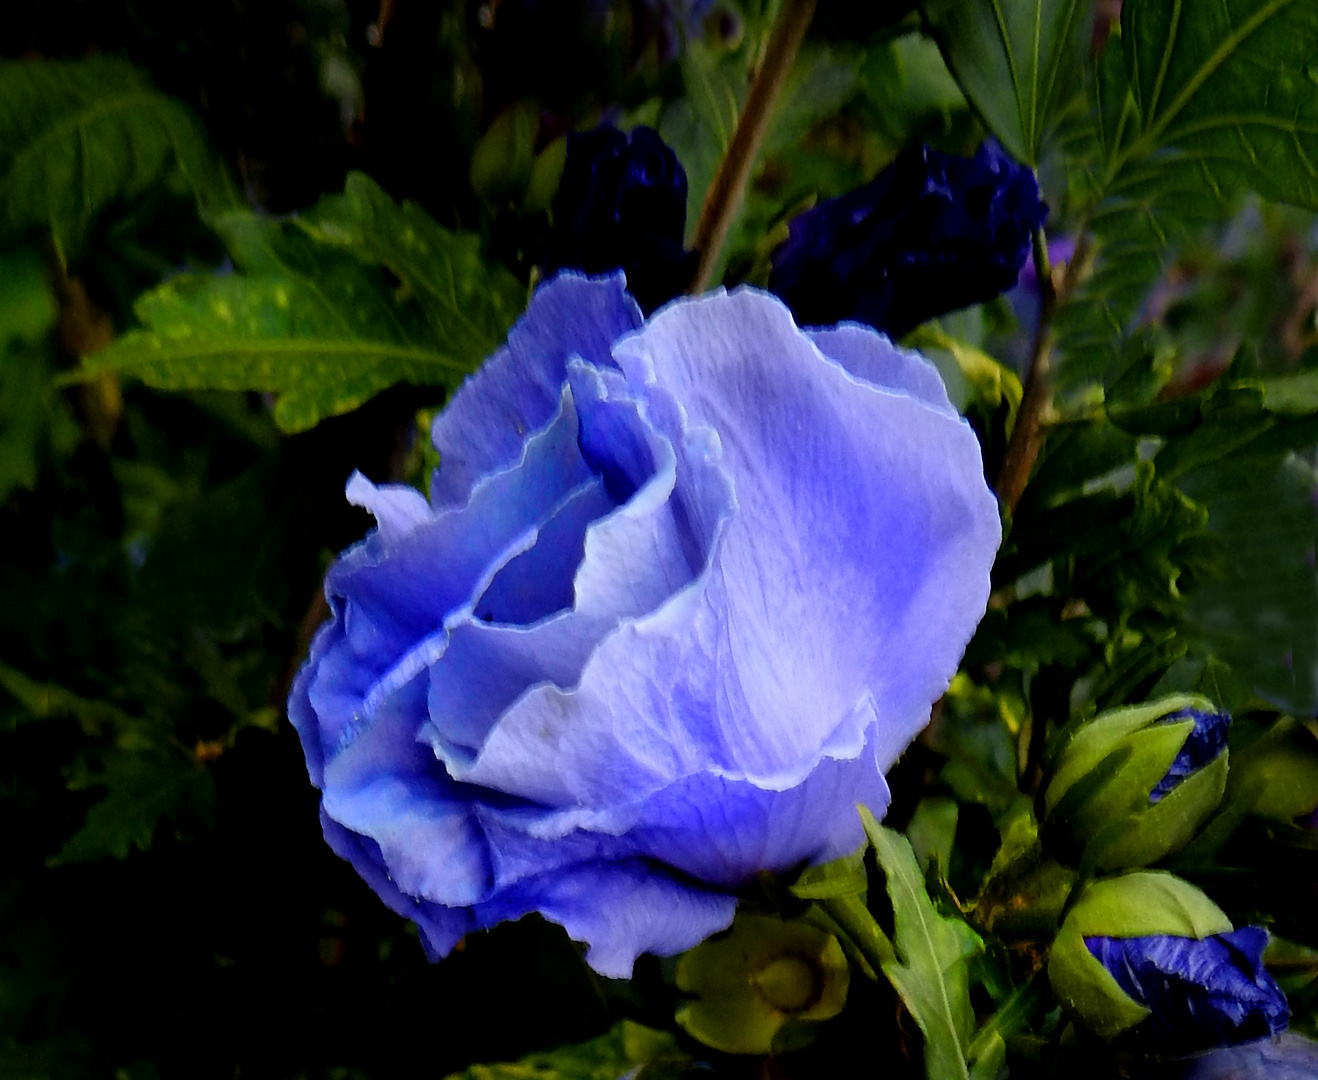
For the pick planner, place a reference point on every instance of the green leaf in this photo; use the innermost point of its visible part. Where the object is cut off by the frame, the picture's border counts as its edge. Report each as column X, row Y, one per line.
column 27, row 409
column 931, row 967
column 143, row 791
column 623, row 1048
column 906, row 84
column 932, row 830
column 1199, row 103
column 313, row 316
column 1260, row 613
column 469, row 302
column 1010, row 57
column 844, row 877
column 75, row 136
column 1230, row 84
column 49, row 701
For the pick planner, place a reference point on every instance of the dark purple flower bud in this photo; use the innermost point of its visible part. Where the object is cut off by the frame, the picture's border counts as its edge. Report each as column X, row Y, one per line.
column 1206, row 740
column 931, row 233
column 622, row 204
column 1201, row 993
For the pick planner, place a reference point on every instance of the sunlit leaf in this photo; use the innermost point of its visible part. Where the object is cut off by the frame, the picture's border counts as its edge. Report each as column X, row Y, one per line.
column 312, row 316
column 931, row 967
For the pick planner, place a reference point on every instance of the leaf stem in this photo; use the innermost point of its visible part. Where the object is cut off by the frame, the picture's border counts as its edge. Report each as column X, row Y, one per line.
column 729, row 186
column 1027, row 435
column 855, row 919
column 1012, row 1015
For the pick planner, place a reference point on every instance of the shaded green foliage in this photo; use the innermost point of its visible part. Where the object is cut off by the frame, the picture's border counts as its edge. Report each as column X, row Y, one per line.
column 164, row 550
column 77, row 136
column 1011, row 57
column 1190, row 109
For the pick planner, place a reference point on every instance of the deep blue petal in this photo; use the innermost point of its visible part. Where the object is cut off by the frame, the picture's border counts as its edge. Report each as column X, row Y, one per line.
column 517, row 390
column 621, row 204
column 1201, row 992
column 1206, row 740
column 441, row 927
column 931, row 233
column 621, row 909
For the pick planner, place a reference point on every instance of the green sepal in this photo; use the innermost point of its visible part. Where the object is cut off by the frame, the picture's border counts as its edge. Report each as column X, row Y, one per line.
column 1094, row 741
column 1143, row 903
column 762, row 987
column 1146, row 903
column 1087, row 990
column 1165, row 826
column 1096, row 802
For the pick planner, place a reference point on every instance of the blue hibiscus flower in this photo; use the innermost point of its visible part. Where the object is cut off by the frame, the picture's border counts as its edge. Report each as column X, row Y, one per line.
column 682, row 591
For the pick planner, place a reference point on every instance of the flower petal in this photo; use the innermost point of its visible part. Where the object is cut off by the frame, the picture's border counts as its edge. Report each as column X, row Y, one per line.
column 441, row 927
column 723, row 830
column 858, row 560
column 516, row 390
column 869, row 355
column 621, row 909
column 635, row 558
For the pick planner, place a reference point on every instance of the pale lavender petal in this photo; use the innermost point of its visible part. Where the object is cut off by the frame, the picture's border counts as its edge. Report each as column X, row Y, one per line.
column 516, row 390
column 724, row 831
column 869, row 355
column 397, row 508
column 858, row 560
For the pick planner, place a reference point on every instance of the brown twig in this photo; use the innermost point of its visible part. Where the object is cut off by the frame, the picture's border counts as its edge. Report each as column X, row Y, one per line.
column 1027, row 435
column 729, row 186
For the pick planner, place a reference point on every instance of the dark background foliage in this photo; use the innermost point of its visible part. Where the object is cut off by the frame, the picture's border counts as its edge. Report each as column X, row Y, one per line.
column 167, row 906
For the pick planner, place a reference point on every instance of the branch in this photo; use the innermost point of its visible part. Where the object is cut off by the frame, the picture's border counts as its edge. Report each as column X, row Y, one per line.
column 1027, row 435
column 729, row 186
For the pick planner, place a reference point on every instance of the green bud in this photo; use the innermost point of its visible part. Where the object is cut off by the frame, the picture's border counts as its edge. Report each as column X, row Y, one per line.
column 1122, row 793
column 1144, row 903
column 1276, row 774
column 763, row 986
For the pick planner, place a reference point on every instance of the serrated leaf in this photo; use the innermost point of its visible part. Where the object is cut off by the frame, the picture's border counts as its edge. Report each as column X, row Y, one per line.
column 312, row 316
column 1194, row 104
column 931, row 967
column 74, row 136
column 624, row 1047
column 468, row 302
column 142, row 791
column 49, row 701
column 1010, row 57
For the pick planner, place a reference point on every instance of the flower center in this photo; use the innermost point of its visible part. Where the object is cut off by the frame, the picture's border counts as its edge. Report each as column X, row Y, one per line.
column 789, row 984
